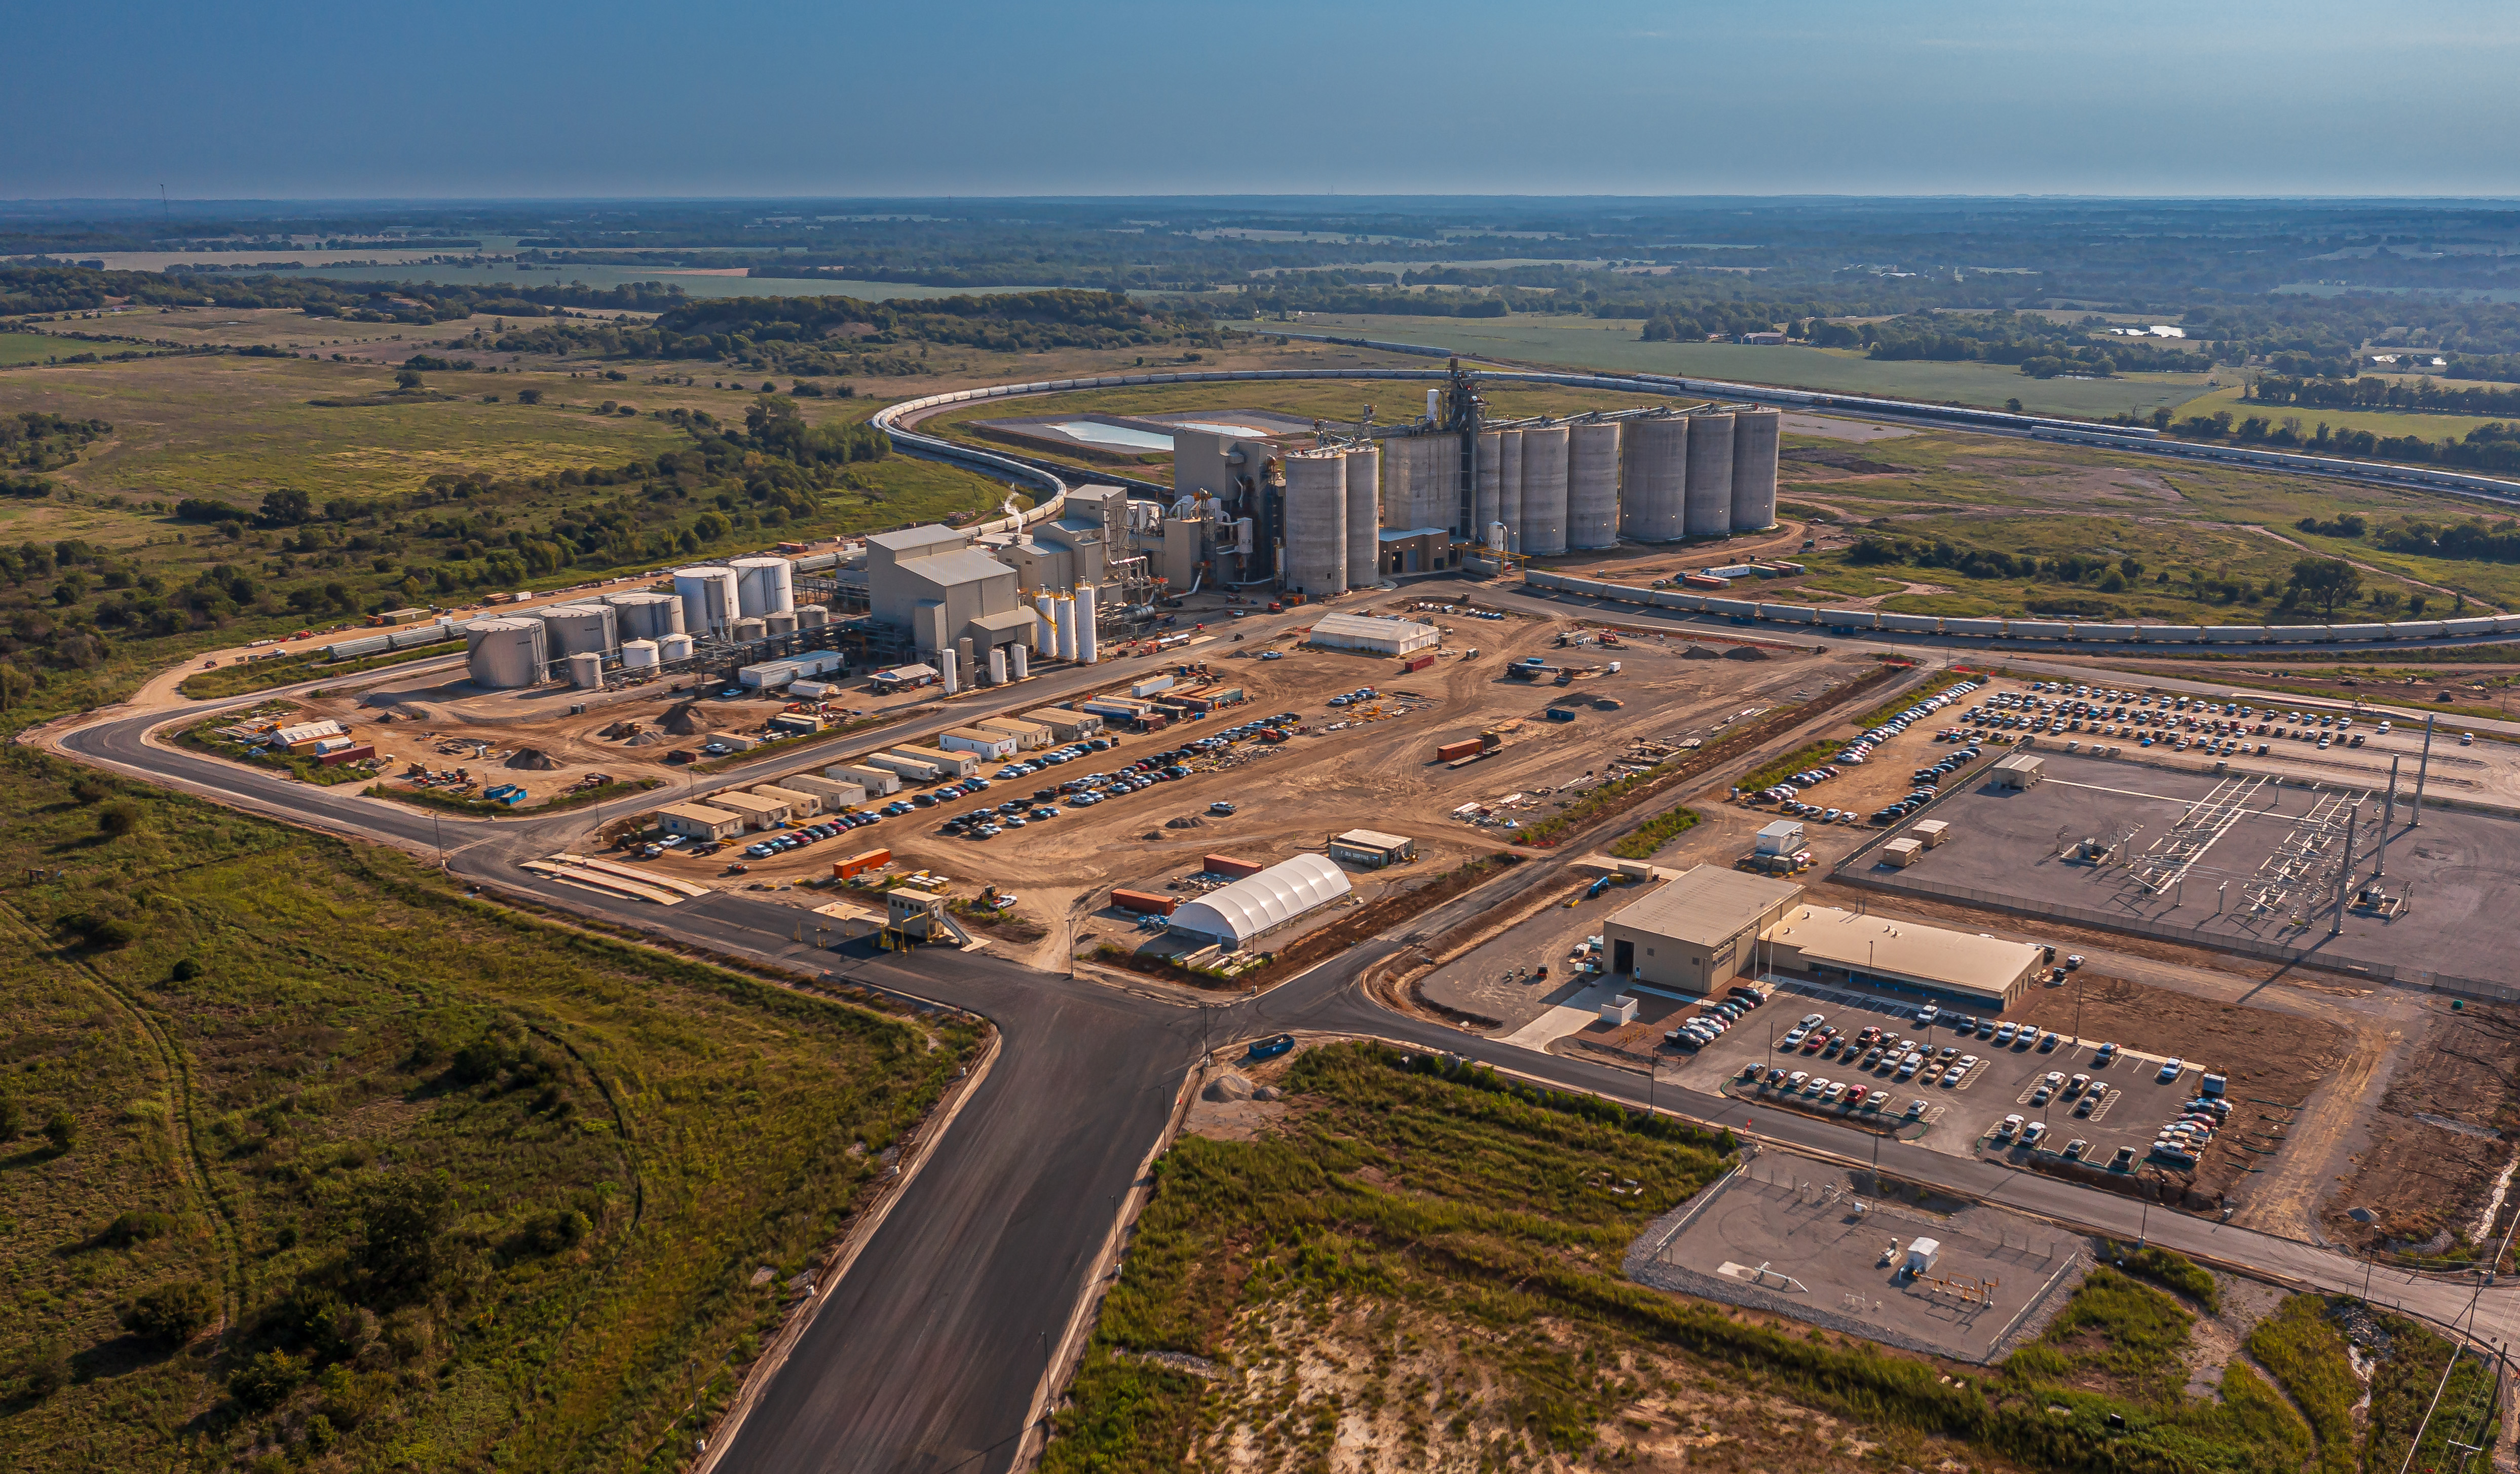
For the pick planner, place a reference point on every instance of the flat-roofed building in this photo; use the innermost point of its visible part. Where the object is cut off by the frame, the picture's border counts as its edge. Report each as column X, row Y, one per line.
column 1890, row 954
column 1372, row 848
column 1695, row 934
column 758, row 812
column 800, row 803
column 699, row 821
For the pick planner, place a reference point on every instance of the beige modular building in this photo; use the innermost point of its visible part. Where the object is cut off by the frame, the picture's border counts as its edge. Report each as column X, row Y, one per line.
column 758, row 812
column 1065, row 725
column 1372, row 848
column 834, row 793
column 877, row 782
column 1028, row 735
column 1885, row 954
column 1697, row 933
column 951, row 764
column 2021, row 770
column 978, row 742
column 699, row 821
column 801, row 803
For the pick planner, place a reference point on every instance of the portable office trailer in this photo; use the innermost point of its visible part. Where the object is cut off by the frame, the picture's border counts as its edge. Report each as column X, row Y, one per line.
column 877, row 782
column 801, row 803
column 1028, row 735
column 835, row 793
column 1065, row 725
column 973, row 739
column 912, row 768
column 758, row 812
column 699, row 821
column 953, row 764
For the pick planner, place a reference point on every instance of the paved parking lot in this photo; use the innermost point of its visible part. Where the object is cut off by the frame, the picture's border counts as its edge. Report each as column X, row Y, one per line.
column 2128, row 1100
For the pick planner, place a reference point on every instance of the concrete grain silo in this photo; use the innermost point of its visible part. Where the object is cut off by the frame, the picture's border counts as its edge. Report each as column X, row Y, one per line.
column 1544, row 490
column 1316, row 523
column 1593, row 485
column 580, row 629
column 763, row 586
column 506, row 654
column 1364, row 518
column 1509, row 487
column 1657, row 451
column 1754, row 469
column 708, row 600
column 1487, row 489
column 1707, row 498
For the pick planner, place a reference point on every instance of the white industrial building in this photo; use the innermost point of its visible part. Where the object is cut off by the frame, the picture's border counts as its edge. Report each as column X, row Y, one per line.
column 700, row 821
column 1233, row 917
column 1368, row 632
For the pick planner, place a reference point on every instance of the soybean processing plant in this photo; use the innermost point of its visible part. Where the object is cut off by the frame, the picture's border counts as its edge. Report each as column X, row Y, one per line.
column 1373, row 500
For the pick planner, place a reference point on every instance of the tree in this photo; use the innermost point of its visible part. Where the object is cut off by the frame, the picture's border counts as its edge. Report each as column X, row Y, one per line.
column 395, row 1251
column 529, row 396
column 2326, row 583
column 114, row 821
column 171, row 1314
column 285, row 508
column 2131, row 565
column 408, row 379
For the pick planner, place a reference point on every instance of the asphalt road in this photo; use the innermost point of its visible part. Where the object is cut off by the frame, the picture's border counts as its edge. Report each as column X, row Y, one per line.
column 929, row 1353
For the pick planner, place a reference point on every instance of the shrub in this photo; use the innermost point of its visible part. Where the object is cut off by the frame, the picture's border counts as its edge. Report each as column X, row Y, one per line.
column 115, row 821
column 13, row 1118
column 44, row 1372
column 61, row 1130
column 128, row 1228
column 266, row 1381
column 171, row 1314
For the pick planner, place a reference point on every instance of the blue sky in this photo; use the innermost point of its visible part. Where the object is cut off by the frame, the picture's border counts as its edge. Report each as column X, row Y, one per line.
column 532, row 98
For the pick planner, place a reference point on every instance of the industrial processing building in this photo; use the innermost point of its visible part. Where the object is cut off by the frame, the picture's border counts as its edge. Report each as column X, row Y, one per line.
column 1695, row 934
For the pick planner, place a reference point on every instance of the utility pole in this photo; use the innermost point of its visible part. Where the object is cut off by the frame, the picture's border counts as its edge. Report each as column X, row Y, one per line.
column 2388, row 817
column 2423, row 766
column 2345, row 872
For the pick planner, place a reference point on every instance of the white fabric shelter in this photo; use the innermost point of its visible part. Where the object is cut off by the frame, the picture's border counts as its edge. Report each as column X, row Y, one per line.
column 1232, row 915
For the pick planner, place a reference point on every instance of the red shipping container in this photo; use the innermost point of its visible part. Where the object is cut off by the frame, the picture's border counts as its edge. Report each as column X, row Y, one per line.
column 1417, row 662
column 347, row 755
column 858, row 864
column 1455, row 751
column 1227, row 864
column 1144, row 900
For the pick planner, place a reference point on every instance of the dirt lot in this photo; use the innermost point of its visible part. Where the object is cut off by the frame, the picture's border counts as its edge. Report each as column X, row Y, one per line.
column 2434, row 1152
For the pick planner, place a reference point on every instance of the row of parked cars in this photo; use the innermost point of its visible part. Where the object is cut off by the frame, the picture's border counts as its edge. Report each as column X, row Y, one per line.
column 1928, row 781
column 1057, row 757
column 1711, row 1022
column 1861, row 747
column 989, row 821
column 1804, row 1086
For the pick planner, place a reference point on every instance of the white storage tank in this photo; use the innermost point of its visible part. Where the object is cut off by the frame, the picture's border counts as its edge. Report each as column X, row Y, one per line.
column 1593, row 485
column 782, row 623
column 506, row 654
column 1364, row 518
column 638, row 654
column 1544, row 490
column 813, row 616
column 674, row 648
column 1316, row 523
column 708, row 599
column 1654, row 452
column 763, row 586
column 645, row 615
column 1754, row 469
column 1509, row 487
column 1706, row 500
column 1088, row 649
column 586, row 670
column 746, row 630
column 578, row 629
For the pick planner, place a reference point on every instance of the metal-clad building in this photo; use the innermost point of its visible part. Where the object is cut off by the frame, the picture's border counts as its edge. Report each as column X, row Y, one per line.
column 1697, row 933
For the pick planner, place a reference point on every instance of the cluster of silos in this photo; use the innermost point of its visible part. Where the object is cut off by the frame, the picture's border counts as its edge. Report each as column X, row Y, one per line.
column 1421, row 481
column 1065, row 631
column 1333, row 519
column 1581, row 485
column 708, row 596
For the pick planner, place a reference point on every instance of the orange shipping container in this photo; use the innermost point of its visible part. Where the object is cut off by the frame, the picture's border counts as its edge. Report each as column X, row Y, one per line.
column 1227, row 864
column 859, row 864
column 1455, row 751
column 1144, row 900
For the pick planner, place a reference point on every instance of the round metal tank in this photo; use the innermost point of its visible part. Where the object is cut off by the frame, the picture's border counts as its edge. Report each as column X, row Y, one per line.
column 586, row 670
column 1487, row 490
column 506, row 653
column 578, row 629
column 638, row 654
column 1317, row 523
column 1544, row 490
column 674, row 648
column 1706, row 501
column 1509, row 487
column 646, row 616
column 1754, row 469
column 1650, row 503
column 1364, row 518
column 813, row 616
column 1088, row 649
column 1593, row 485
column 746, row 629
column 780, row 623
column 763, row 586
column 708, row 601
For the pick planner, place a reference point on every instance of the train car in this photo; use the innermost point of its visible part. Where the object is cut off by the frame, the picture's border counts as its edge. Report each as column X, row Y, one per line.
column 1913, row 624
column 2107, row 633
column 1733, row 608
column 2172, row 634
column 2506, row 624
column 2042, row 629
column 2360, row 634
column 2468, row 628
column 1787, row 613
column 2234, row 634
column 1675, row 599
column 1849, row 619
column 1981, row 629
column 2419, row 629
column 2296, row 634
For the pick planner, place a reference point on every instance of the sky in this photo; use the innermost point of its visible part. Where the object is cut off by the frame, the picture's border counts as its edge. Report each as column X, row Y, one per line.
column 547, row 99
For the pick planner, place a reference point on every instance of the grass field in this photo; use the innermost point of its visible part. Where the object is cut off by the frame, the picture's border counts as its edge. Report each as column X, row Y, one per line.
column 461, row 1190
column 1596, row 343
column 35, row 347
column 2377, row 421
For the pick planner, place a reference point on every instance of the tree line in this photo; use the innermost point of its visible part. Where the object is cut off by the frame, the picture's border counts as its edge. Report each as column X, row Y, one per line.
column 34, row 290
column 2369, row 393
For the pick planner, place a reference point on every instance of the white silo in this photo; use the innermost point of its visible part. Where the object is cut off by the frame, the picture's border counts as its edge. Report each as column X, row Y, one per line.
column 1651, row 500
column 813, row 616
column 1754, row 469
column 764, row 585
column 1045, row 630
column 1593, row 485
column 1509, row 487
column 1024, row 660
column 638, row 654
column 1089, row 646
column 1487, row 485
column 578, row 629
column 1316, row 523
column 1364, row 518
column 506, row 653
column 1707, row 498
column 996, row 665
column 586, row 670
column 1544, row 490
column 950, row 671
column 780, row 622
column 708, row 600
column 674, row 648
column 1062, row 612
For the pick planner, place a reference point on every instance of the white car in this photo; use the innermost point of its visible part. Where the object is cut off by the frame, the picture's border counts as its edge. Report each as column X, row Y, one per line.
column 2009, row 1126
column 2169, row 1068
column 2030, row 1134
column 1813, row 1021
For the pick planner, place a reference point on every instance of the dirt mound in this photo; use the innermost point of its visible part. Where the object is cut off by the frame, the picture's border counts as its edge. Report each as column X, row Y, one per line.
column 684, row 720
column 1227, row 1086
column 531, row 757
column 619, row 729
column 1746, row 652
column 1699, row 652
column 648, row 740
column 1186, row 822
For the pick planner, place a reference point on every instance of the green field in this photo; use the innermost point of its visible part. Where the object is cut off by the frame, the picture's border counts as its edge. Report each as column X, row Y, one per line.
column 456, row 1189
column 1582, row 343
column 616, row 276
column 2377, row 421
column 35, row 347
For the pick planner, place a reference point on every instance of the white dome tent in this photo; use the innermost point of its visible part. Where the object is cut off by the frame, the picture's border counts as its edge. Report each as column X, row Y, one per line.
column 1233, row 916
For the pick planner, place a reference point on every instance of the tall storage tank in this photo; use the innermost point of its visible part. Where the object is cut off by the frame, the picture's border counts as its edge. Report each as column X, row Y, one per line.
column 1706, row 508
column 674, row 648
column 1087, row 645
column 638, row 654
column 506, row 653
column 646, row 616
column 1544, row 490
column 1593, row 485
column 708, row 600
column 1317, row 522
column 1650, row 503
column 1487, row 489
column 578, row 629
column 1754, row 469
column 763, row 586
column 1509, row 487
column 1364, row 518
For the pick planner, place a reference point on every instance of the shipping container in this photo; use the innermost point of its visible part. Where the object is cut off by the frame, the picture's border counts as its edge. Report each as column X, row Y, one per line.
column 859, row 864
column 1453, row 751
column 351, row 754
column 1417, row 662
column 1227, row 864
column 1144, row 900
